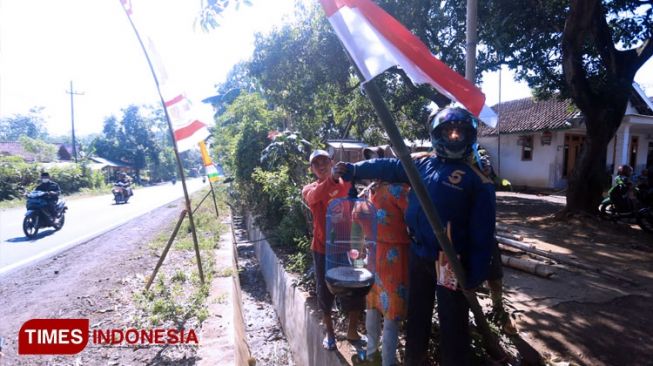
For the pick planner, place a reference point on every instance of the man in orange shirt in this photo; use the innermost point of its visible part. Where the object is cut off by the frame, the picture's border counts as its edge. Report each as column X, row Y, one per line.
column 318, row 195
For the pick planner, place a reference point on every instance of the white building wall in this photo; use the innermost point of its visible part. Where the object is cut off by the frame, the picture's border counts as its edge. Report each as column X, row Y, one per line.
column 543, row 171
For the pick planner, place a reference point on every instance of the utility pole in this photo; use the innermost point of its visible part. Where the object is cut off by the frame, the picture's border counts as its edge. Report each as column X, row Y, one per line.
column 72, row 117
column 471, row 40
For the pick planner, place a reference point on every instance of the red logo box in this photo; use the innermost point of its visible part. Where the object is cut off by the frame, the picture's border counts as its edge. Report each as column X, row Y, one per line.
column 53, row 336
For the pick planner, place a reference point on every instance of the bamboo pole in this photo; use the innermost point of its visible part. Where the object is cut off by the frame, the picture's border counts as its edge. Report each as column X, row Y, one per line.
column 215, row 203
column 180, row 167
column 166, row 249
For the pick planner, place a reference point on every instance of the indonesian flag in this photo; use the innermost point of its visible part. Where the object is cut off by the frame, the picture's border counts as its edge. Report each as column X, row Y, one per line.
column 187, row 129
column 376, row 41
column 214, row 172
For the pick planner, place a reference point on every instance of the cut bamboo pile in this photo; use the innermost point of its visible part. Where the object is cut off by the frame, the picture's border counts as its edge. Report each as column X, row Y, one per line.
column 506, row 238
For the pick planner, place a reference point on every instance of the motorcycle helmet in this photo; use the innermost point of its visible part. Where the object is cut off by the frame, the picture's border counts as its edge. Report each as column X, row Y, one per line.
column 453, row 133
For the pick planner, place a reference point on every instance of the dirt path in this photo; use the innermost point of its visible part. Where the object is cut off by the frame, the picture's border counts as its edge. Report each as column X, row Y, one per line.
column 588, row 317
column 95, row 280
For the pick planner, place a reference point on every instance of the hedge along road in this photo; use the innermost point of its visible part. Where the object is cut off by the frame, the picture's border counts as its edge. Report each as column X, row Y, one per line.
column 86, row 218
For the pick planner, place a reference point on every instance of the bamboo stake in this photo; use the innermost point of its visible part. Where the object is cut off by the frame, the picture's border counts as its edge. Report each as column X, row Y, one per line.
column 165, row 250
column 527, row 248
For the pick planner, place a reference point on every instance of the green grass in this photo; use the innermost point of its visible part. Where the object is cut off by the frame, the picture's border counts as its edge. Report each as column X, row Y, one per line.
column 182, row 296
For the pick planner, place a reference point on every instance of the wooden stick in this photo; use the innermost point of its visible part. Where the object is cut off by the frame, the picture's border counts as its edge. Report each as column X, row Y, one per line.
column 530, row 249
column 508, row 235
column 539, row 269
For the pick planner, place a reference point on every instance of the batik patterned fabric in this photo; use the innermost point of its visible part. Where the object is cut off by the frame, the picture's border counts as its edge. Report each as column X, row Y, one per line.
column 389, row 295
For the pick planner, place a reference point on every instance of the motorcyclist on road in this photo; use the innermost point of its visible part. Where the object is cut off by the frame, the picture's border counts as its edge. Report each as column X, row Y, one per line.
column 53, row 190
column 125, row 181
column 621, row 191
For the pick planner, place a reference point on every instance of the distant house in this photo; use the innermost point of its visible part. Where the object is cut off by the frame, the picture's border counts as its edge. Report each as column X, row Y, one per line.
column 346, row 150
column 109, row 168
column 537, row 143
column 65, row 151
column 15, row 148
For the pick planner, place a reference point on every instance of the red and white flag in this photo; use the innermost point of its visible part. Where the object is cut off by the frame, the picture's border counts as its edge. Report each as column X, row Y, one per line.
column 376, row 41
column 187, row 129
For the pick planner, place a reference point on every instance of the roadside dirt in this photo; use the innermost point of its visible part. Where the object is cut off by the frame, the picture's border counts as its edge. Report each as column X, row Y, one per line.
column 96, row 280
column 587, row 317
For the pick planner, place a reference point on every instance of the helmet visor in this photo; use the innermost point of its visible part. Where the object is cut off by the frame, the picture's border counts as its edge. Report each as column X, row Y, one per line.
column 452, row 133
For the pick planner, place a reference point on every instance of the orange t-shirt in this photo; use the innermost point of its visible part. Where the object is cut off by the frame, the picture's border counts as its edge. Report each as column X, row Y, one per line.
column 318, row 195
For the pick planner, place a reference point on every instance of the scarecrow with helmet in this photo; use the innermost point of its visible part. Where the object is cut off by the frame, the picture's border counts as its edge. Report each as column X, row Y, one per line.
column 465, row 201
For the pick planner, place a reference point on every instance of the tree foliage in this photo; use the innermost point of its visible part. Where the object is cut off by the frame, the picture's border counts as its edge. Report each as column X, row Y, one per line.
column 31, row 125
column 43, row 151
column 131, row 139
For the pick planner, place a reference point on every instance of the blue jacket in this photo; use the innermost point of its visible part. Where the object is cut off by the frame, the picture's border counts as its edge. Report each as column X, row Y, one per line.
column 464, row 198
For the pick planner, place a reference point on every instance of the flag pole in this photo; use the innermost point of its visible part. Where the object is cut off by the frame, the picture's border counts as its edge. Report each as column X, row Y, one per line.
column 490, row 341
column 180, row 167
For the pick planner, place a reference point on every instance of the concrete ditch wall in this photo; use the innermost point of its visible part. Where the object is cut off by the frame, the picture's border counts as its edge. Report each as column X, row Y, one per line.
column 299, row 318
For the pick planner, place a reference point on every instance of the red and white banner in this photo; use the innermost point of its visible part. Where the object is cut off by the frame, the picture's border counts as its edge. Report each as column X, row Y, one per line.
column 376, row 41
column 187, row 129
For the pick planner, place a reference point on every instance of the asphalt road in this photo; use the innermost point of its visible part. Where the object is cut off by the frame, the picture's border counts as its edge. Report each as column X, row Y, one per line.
column 86, row 218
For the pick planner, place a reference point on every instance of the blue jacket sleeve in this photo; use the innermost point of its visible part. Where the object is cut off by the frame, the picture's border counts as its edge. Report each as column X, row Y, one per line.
column 389, row 170
column 482, row 224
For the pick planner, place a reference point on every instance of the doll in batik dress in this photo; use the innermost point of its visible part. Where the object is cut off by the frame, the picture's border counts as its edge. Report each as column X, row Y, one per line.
column 388, row 298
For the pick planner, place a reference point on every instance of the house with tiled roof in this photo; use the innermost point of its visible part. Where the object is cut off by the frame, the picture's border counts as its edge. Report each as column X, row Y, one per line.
column 537, row 142
column 15, row 148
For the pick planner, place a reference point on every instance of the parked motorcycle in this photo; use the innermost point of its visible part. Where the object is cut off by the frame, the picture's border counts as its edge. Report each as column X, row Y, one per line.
column 641, row 212
column 121, row 192
column 38, row 215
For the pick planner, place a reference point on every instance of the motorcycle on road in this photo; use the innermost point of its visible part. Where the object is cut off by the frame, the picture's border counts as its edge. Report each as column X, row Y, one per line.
column 641, row 211
column 38, row 214
column 121, row 192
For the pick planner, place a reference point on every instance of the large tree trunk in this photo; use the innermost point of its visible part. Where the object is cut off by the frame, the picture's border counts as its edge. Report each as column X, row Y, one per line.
column 587, row 181
column 602, row 100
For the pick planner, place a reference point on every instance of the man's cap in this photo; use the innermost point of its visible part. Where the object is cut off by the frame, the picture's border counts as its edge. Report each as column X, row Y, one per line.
column 317, row 153
column 45, row 174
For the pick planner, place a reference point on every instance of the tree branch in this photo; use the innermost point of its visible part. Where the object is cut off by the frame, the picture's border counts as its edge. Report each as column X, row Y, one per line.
column 577, row 25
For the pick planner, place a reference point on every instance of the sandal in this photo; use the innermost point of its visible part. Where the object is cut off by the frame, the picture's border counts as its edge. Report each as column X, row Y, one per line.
column 329, row 343
column 360, row 342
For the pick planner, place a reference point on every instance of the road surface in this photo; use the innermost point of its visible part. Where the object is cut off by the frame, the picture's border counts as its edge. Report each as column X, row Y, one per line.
column 86, row 218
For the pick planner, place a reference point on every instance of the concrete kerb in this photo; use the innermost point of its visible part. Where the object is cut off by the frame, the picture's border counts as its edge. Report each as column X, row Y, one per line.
column 223, row 336
column 300, row 320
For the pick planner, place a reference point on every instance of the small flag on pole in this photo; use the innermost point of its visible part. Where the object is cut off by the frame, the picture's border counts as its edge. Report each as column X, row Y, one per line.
column 376, row 41
column 213, row 173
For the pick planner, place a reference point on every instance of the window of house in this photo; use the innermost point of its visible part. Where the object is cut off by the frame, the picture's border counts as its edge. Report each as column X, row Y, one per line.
column 526, row 147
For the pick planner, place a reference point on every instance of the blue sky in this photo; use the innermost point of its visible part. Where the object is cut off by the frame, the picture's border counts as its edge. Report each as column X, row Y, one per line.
column 45, row 44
